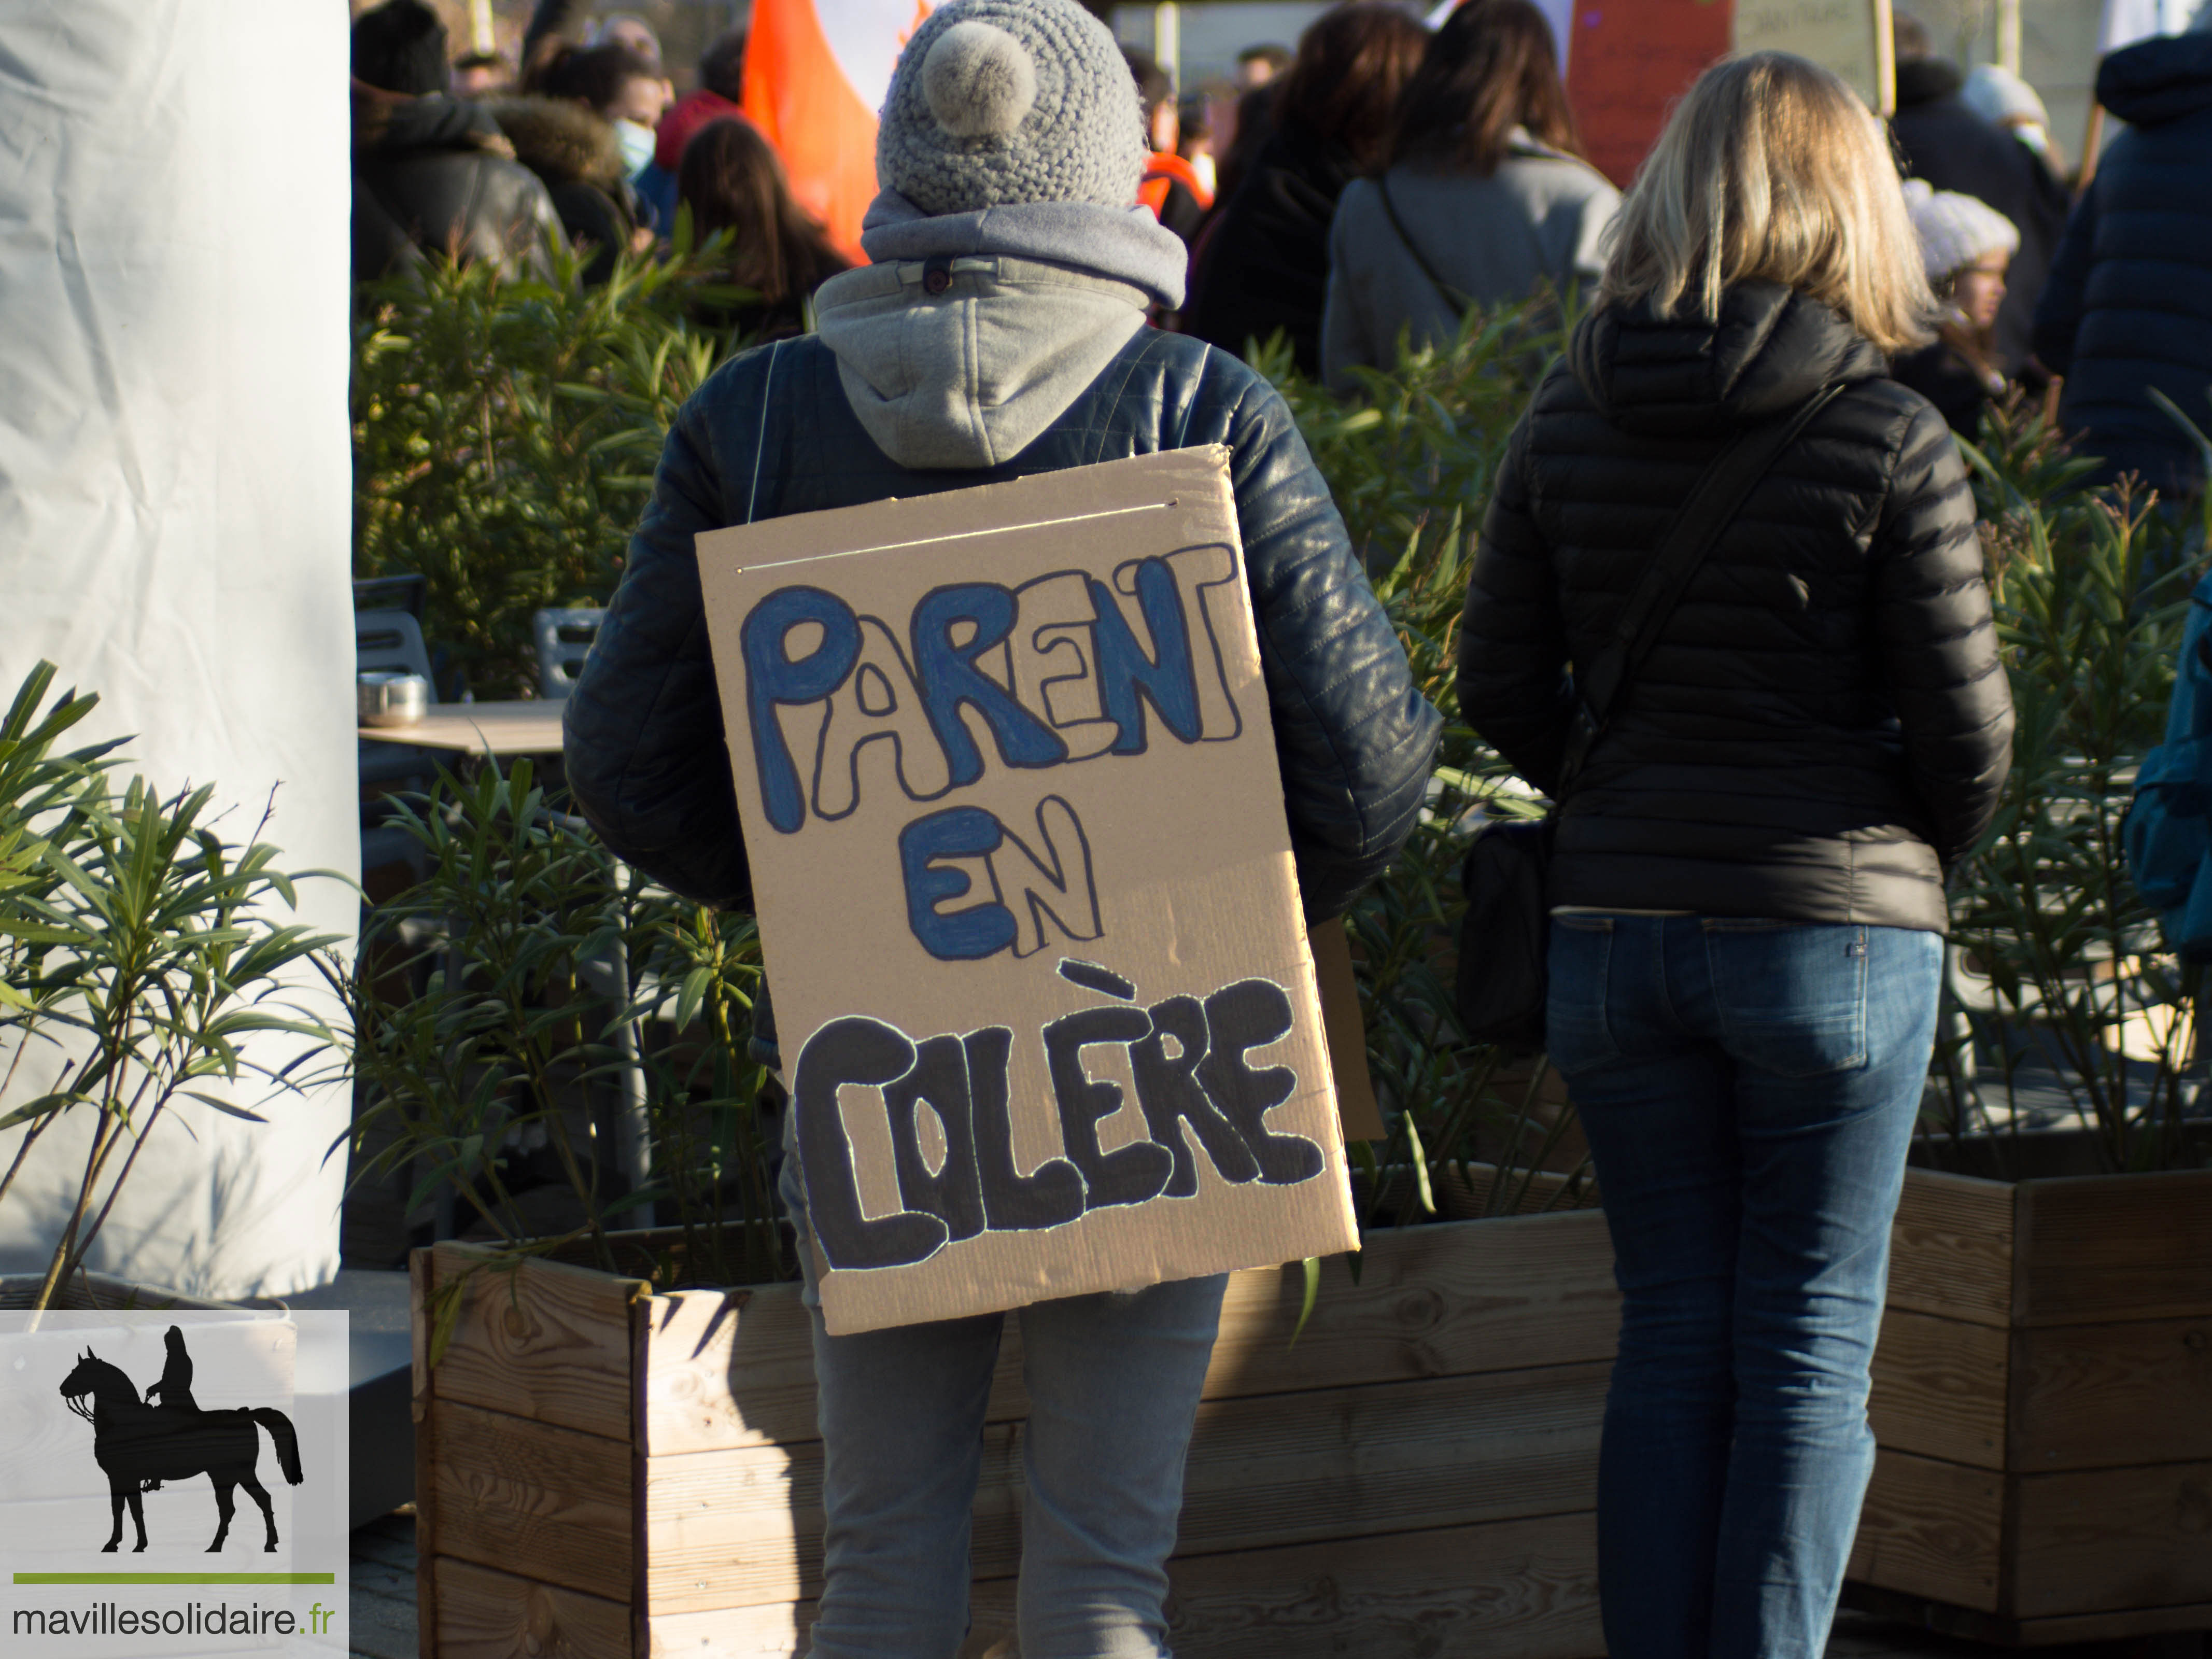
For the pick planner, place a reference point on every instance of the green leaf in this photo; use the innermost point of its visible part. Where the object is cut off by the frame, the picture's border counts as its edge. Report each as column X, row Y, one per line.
column 224, row 1106
column 1312, row 1267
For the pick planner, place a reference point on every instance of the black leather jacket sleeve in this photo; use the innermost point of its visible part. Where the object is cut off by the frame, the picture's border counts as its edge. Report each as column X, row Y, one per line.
column 1938, row 639
column 1354, row 739
column 1513, row 682
column 645, row 754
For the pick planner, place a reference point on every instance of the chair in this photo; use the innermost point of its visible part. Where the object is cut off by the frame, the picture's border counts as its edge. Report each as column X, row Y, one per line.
column 406, row 590
column 391, row 641
column 564, row 640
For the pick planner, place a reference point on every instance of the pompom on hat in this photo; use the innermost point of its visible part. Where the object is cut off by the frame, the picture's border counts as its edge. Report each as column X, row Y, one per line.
column 1955, row 230
column 996, row 102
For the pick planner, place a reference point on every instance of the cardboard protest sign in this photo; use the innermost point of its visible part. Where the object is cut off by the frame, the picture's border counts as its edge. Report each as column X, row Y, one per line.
column 1629, row 61
column 1009, row 790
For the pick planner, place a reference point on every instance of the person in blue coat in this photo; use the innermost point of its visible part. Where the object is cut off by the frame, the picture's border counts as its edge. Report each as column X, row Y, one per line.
column 2168, row 836
column 2127, row 311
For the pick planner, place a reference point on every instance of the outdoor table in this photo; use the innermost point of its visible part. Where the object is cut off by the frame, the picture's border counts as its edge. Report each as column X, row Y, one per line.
column 527, row 727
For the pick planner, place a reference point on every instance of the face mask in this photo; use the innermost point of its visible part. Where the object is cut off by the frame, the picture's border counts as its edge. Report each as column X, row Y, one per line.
column 637, row 142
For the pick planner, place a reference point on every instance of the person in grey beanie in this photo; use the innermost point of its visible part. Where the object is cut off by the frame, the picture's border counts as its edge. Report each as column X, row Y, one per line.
column 1001, row 332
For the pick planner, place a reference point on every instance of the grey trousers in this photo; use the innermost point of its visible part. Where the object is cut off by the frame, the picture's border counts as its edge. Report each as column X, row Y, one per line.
column 1113, row 1382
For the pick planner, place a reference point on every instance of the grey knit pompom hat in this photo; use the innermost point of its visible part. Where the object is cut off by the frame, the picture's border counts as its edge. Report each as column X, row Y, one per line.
column 1000, row 101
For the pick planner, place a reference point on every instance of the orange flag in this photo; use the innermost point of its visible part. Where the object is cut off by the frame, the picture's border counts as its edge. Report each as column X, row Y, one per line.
column 816, row 73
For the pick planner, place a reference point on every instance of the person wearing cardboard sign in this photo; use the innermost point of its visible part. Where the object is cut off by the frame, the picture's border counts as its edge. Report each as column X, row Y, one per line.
column 1729, row 610
column 1000, row 335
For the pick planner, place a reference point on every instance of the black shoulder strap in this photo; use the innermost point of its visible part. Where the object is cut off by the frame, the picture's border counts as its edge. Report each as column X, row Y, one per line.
column 1712, row 505
column 1456, row 302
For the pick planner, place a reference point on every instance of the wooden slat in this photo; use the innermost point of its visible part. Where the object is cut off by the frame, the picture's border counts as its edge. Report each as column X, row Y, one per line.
column 2113, row 1626
column 1524, row 1590
column 1944, row 1620
column 2092, row 1396
column 486, row 1614
column 730, row 1632
column 1346, row 1463
column 510, row 1493
column 2105, row 1540
column 1951, row 1251
column 744, row 1528
column 545, row 1341
column 1516, row 1590
column 1931, row 1529
column 732, row 1529
column 1454, row 1299
column 1450, row 1300
column 749, row 1633
column 727, row 1369
column 2096, row 1249
column 1939, row 1388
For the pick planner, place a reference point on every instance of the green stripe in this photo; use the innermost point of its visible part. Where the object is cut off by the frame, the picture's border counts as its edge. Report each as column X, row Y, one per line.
column 176, row 1578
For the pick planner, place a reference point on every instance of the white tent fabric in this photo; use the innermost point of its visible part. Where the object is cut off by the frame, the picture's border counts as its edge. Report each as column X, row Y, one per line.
column 174, row 502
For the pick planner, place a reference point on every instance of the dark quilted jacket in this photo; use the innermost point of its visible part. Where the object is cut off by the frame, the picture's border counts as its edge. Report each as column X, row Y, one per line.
column 1824, row 722
column 434, row 175
column 2129, row 305
column 771, row 434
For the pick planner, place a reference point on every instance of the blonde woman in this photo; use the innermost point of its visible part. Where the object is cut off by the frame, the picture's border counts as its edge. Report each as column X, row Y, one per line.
column 1747, row 879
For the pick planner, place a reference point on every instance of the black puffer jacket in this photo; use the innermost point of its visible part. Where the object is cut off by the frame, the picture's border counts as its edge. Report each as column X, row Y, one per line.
column 1262, row 267
column 771, row 434
column 435, row 175
column 1824, row 722
column 2129, row 305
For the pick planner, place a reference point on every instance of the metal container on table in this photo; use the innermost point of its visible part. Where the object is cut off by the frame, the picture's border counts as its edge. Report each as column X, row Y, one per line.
column 386, row 697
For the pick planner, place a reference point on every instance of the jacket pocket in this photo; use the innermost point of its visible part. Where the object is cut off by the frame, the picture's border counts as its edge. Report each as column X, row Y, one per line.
column 1791, row 996
column 1576, row 1030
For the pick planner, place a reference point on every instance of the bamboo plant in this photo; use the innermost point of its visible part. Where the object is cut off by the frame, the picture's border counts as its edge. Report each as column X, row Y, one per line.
column 521, row 981
column 2061, row 970
column 141, row 950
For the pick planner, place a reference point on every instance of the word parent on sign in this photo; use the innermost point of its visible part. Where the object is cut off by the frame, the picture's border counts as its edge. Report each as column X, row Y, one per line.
column 1061, row 669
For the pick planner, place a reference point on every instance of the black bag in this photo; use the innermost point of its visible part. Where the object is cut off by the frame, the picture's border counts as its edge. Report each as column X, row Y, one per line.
column 1504, row 939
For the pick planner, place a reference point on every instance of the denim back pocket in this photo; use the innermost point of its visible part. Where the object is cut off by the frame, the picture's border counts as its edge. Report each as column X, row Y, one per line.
column 1575, row 1033
column 1791, row 996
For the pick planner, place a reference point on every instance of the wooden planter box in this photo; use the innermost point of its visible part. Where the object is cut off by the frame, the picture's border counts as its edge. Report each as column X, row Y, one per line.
column 2042, row 1399
column 606, row 1473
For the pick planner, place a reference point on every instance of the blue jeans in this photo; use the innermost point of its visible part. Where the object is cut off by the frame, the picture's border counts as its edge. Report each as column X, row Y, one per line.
column 1749, row 1090
column 1113, row 1382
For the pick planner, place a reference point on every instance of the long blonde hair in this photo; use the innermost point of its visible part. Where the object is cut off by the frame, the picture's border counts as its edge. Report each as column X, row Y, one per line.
column 1771, row 170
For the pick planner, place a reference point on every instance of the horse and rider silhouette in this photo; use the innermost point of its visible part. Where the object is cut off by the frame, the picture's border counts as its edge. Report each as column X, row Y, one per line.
column 140, row 1444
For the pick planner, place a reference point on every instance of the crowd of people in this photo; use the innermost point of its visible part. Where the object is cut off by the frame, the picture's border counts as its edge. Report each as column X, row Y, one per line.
column 1374, row 186
column 476, row 157
column 1792, row 302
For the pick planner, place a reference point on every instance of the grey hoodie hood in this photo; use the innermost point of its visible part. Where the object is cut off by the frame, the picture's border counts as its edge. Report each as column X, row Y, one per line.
column 975, row 331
